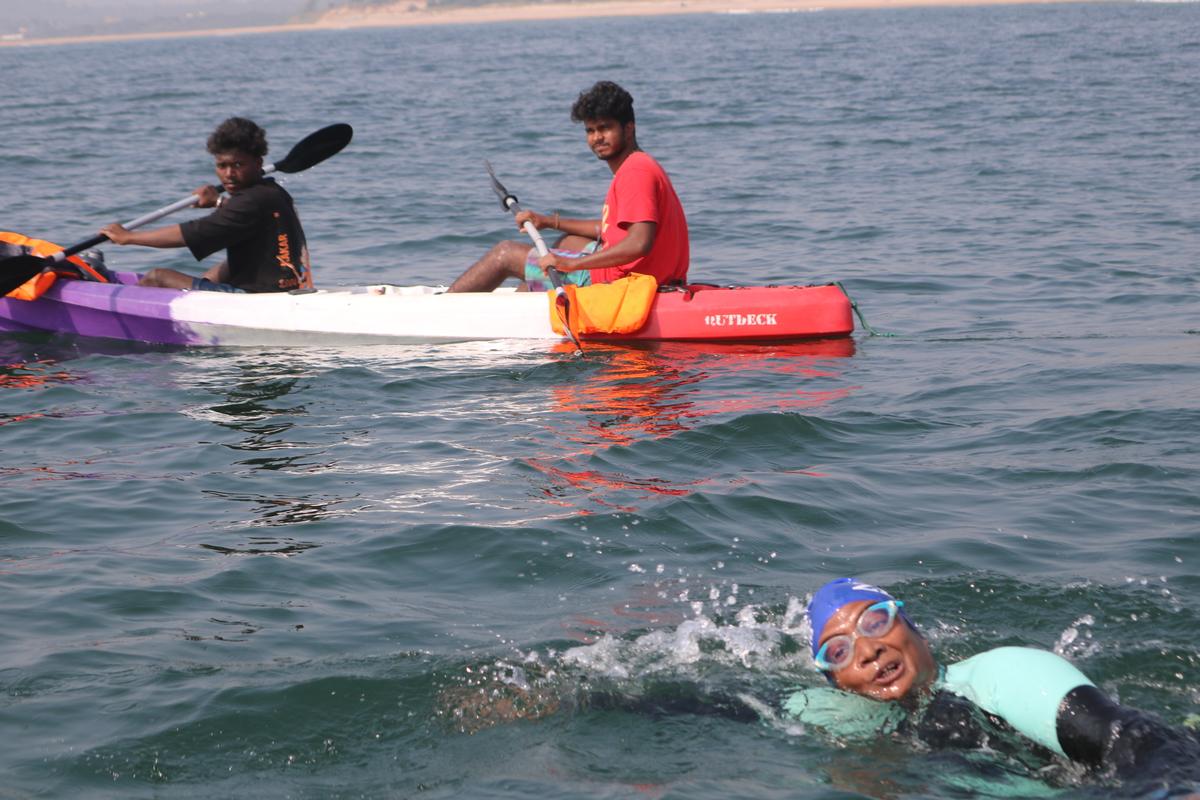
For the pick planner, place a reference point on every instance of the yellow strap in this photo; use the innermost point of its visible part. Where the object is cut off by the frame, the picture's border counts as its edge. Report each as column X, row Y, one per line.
column 622, row 306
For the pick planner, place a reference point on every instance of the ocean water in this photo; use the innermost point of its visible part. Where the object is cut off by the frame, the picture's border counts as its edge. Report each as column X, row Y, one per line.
column 402, row 571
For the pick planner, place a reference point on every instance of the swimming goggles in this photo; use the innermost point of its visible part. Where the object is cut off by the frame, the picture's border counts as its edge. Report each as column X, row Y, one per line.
column 875, row 621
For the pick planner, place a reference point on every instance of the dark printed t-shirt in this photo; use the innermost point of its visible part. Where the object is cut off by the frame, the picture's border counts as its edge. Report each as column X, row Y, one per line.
column 259, row 228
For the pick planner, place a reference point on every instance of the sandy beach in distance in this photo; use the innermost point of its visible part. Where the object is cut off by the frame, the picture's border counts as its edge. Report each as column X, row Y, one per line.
column 410, row 13
column 407, row 13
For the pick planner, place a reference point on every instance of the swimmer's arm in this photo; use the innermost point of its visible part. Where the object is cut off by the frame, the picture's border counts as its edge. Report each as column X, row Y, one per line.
column 841, row 714
column 1086, row 717
column 673, row 698
column 1097, row 731
column 1024, row 686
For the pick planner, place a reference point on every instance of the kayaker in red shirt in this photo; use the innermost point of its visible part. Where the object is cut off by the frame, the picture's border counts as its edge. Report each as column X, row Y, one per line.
column 642, row 227
column 256, row 224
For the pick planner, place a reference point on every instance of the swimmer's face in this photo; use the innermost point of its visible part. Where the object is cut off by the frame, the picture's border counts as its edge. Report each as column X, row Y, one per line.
column 887, row 667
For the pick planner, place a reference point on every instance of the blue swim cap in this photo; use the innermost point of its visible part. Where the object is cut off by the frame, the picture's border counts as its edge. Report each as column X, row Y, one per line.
column 829, row 598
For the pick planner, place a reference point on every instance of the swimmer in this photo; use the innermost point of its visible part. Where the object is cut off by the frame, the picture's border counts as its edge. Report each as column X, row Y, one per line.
column 866, row 645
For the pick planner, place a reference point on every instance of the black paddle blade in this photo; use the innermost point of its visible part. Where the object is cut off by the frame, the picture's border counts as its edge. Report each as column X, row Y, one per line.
column 18, row 269
column 499, row 189
column 316, row 147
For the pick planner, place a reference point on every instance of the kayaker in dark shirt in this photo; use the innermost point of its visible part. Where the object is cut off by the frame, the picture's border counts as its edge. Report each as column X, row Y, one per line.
column 256, row 224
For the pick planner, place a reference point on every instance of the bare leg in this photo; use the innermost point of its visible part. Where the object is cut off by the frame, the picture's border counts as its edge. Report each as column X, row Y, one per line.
column 505, row 260
column 166, row 279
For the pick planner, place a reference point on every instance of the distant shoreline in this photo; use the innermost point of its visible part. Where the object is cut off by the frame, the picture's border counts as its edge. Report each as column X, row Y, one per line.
column 408, row 14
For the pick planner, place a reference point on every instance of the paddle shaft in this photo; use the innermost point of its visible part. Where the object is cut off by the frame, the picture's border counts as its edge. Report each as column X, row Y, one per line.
column 534, row 234
column 555, row 279
column 145, row 219
column 509, row 201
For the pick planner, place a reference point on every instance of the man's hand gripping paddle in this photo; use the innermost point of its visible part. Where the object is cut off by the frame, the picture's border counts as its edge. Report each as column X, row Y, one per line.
column 509, row 202
column 308, row 152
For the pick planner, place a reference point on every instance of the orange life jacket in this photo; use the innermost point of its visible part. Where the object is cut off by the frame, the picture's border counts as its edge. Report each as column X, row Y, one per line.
column 36, row 286
column 622, row 306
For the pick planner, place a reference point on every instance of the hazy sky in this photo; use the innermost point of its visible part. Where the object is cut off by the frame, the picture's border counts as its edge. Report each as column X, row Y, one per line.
column 47, row 16
column 16, row 8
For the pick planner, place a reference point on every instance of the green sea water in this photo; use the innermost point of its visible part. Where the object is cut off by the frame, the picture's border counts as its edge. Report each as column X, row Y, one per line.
column 309, row 573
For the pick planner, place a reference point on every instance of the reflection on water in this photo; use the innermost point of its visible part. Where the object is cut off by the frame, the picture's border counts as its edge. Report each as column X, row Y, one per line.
column 654, row 391
column 249, row 391
column 227, row 630
column 249, row 406
column 559, row 491
column 33, row 374
column 55, row 473
column 280, row 510
column 248, row 400
column 263, row 545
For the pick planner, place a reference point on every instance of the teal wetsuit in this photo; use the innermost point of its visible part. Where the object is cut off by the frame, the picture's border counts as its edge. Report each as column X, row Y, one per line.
column 1022, row 686
column 1041, row 696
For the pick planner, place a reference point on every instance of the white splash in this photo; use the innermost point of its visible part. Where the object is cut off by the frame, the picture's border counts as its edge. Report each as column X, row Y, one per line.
column 752, row 641
column 1076, row 641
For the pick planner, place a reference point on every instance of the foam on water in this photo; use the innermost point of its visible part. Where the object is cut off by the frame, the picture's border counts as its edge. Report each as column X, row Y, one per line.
column 749, row 643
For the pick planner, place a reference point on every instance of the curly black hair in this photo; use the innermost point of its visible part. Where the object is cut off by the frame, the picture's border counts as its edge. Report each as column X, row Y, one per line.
column 605, row 100
column 238, row 133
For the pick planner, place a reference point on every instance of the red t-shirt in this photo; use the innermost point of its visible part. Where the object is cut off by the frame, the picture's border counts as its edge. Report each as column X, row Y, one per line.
column 642, row 192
